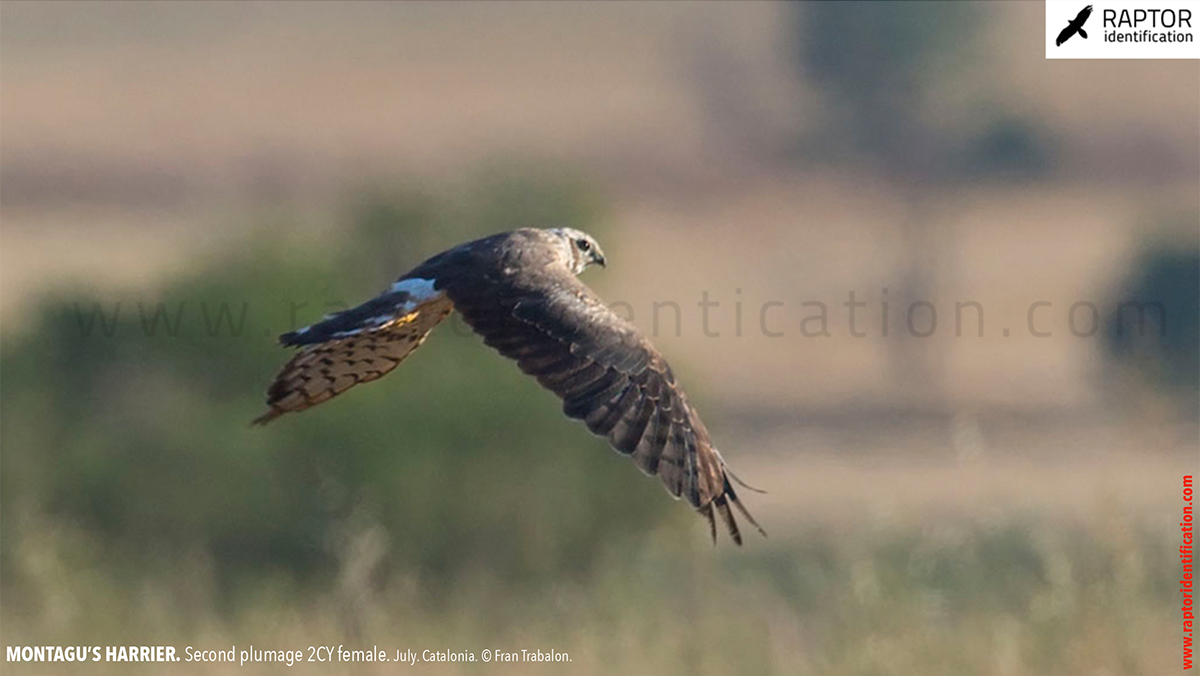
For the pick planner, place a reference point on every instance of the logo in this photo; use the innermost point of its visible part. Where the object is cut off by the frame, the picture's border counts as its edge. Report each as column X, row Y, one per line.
column 1122, row 29
column 1076, row 26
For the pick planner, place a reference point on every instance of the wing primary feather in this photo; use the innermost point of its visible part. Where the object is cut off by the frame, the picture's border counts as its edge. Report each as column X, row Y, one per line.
column 584, row 400
column 650, row 449
column 707, row 512
column 741, row 483
column 742, row 508
column 600, row 389
column 695, row 468
column 566, row 383
column 604, row 418
column 551, row 367
column 627, row 433
column 730, row 524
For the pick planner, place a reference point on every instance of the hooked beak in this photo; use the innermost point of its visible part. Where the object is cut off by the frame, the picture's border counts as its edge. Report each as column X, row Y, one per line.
column 600, row 261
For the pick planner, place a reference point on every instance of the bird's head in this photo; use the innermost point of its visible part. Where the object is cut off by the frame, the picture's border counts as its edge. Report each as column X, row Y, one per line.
column 581, row 248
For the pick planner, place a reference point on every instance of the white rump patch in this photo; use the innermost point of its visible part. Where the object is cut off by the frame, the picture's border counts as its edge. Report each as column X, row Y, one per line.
column 419, row 291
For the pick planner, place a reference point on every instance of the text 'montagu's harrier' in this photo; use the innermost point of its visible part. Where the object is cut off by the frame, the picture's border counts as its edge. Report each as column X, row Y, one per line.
column 519, row 291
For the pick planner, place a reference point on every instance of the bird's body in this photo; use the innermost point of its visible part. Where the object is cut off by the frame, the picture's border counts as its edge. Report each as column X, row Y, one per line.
column 520, row 292
column 1074, row 26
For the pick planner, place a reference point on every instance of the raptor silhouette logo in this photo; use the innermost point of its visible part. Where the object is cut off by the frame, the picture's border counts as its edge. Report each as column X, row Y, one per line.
column 1075, row 26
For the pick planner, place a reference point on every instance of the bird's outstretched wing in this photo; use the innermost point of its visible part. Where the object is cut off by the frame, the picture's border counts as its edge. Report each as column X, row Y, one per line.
column 1064, row 34
column 527, row 304
column 355, row 346
column 607, row 375
column 1074, row 26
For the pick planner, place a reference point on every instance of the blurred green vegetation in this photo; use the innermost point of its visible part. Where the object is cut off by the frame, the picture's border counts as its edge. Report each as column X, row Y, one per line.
column 140, row 435
column 1015, row 593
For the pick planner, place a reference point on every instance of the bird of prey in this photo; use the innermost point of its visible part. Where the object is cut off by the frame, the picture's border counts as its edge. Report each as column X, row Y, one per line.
column 1075, row 26
column 519, row 291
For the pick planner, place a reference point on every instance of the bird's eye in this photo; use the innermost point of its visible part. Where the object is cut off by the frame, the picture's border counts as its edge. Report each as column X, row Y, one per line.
column 583, row 244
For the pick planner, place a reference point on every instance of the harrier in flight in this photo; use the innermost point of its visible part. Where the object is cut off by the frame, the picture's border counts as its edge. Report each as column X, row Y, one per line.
column 519, row 291
column 1075, row 26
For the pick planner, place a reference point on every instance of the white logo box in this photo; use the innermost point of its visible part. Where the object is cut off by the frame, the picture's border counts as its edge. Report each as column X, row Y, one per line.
column 1124, row 29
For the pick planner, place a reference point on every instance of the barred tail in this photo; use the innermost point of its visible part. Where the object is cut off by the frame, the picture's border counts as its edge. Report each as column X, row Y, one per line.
column 355, row 349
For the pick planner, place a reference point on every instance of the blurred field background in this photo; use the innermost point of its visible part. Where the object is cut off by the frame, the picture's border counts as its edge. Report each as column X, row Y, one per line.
column 1000, row 505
